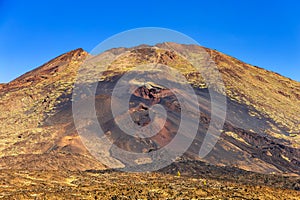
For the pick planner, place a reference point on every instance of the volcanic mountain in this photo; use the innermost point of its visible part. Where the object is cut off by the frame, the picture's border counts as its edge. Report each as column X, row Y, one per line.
column 261, row 131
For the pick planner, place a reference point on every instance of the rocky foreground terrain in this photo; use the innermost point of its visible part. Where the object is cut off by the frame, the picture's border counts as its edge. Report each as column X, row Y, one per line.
column 256, row 157
column 211, row 183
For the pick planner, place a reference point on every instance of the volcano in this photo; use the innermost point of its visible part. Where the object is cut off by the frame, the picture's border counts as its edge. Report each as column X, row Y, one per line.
column 260, row 136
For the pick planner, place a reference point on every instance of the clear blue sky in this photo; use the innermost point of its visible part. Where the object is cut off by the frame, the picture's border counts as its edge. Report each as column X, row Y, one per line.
column 263, row 33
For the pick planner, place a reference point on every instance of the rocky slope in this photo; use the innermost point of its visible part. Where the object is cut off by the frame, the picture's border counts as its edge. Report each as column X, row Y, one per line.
column 25, row 104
